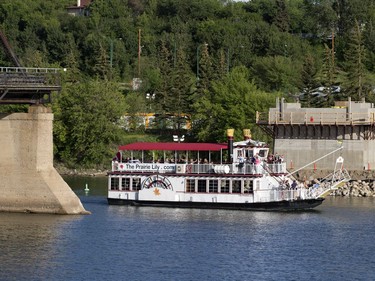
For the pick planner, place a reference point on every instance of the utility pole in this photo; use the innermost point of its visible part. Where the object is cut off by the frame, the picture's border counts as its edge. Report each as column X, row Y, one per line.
column 139, row 53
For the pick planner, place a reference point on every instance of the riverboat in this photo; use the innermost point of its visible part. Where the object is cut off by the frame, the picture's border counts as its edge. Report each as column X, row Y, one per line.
column 174, row 175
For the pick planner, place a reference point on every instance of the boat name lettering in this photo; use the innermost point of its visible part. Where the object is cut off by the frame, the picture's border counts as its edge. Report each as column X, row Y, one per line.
column 129, row 166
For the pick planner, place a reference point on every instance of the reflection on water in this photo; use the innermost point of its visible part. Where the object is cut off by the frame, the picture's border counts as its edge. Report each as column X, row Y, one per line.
column 335, row 242
column 28, row 243
column 97, row 185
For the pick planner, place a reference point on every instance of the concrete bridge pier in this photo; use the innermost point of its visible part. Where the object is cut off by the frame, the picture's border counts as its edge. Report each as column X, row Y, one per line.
column 28, row 180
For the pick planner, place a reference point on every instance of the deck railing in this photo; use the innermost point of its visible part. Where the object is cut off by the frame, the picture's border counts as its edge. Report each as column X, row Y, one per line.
column 233, row 168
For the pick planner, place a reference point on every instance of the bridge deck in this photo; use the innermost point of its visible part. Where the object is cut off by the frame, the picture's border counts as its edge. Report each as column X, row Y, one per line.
column 20, row 85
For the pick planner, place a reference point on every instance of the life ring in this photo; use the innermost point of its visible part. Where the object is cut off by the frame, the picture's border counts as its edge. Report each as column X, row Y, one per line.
column 179, row 169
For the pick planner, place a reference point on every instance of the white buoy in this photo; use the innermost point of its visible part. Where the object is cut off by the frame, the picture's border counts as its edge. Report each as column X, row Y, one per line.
column 87, row 188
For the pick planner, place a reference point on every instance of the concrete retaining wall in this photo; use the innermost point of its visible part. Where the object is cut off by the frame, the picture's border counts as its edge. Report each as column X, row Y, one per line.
column 28, row 180
column 357, row 155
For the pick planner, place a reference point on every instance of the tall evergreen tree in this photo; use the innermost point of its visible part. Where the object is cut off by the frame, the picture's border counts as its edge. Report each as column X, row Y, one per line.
column 328, row 77
column 163, row 93
column 202, row 106
column 308, row 82
column 183, row 83
column 356, row 83
column 281, row 19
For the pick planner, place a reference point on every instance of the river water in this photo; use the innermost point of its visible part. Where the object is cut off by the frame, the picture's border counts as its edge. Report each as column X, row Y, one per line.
column 334, row 242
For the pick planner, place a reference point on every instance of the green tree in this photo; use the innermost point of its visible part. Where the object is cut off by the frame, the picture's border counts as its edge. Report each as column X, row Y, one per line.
column 235, row 103
column 86, row 122
column 356, row 84
column 163, row 93
column 282, row 16
column 309, row 81
column 183, row 84
column 133, row 121
column 277, row 73
column 328, row 77
column 201, row 99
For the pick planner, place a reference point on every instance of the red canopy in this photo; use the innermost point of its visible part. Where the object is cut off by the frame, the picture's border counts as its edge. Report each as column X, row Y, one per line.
column 174, row 146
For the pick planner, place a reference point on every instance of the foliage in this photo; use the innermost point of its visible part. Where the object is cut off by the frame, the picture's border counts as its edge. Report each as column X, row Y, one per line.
column 277, row 73
column 356, row 83
column 217, row 61
column 86, row 117
column 234, row 104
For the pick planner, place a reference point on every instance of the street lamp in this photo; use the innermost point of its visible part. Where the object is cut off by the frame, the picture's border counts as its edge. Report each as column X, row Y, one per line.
column 176, row 138
column 198, row 49
column 111, row 51
column 150, row 97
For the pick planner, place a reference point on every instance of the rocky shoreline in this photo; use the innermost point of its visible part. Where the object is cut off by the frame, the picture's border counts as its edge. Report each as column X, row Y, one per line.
column 361, row 185
column 356, row 188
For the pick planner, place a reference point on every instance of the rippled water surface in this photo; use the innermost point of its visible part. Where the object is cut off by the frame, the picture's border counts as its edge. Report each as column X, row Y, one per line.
column 335, row 242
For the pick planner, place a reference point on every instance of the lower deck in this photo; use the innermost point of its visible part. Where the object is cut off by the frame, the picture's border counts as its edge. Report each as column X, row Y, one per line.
column 201, row 189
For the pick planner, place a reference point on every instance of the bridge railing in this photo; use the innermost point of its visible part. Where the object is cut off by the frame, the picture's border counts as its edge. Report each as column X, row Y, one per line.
column 13, row 77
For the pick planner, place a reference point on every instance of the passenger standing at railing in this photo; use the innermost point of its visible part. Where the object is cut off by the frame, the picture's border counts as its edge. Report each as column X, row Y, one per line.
column 294, row 184
column 241, row 162
column 270, row 158
column 276, row 158
column 257, row 164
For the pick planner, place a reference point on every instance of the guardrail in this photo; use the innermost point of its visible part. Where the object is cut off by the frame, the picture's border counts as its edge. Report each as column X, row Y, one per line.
column 15, row 77
column 341, row 117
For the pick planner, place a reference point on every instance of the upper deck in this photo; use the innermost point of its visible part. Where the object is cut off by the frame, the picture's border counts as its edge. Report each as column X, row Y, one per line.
column 212, row 168
column 248, row 158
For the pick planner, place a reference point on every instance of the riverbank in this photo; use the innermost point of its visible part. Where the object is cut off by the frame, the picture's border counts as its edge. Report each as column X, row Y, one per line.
column 64, row 171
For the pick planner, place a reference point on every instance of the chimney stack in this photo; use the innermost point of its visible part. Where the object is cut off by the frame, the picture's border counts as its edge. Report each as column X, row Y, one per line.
column 230, row 133
column 246, row 134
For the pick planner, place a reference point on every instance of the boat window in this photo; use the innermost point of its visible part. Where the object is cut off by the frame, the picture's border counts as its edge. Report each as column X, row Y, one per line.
column 125, row 184
column 190, row 185
column 248, row 186
column 114, row 183
column 249, row 154
column 202, row 186
column 136, row 184
column 236, row 186
column 263, row 152
column 224, row 186
column 213, row 186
